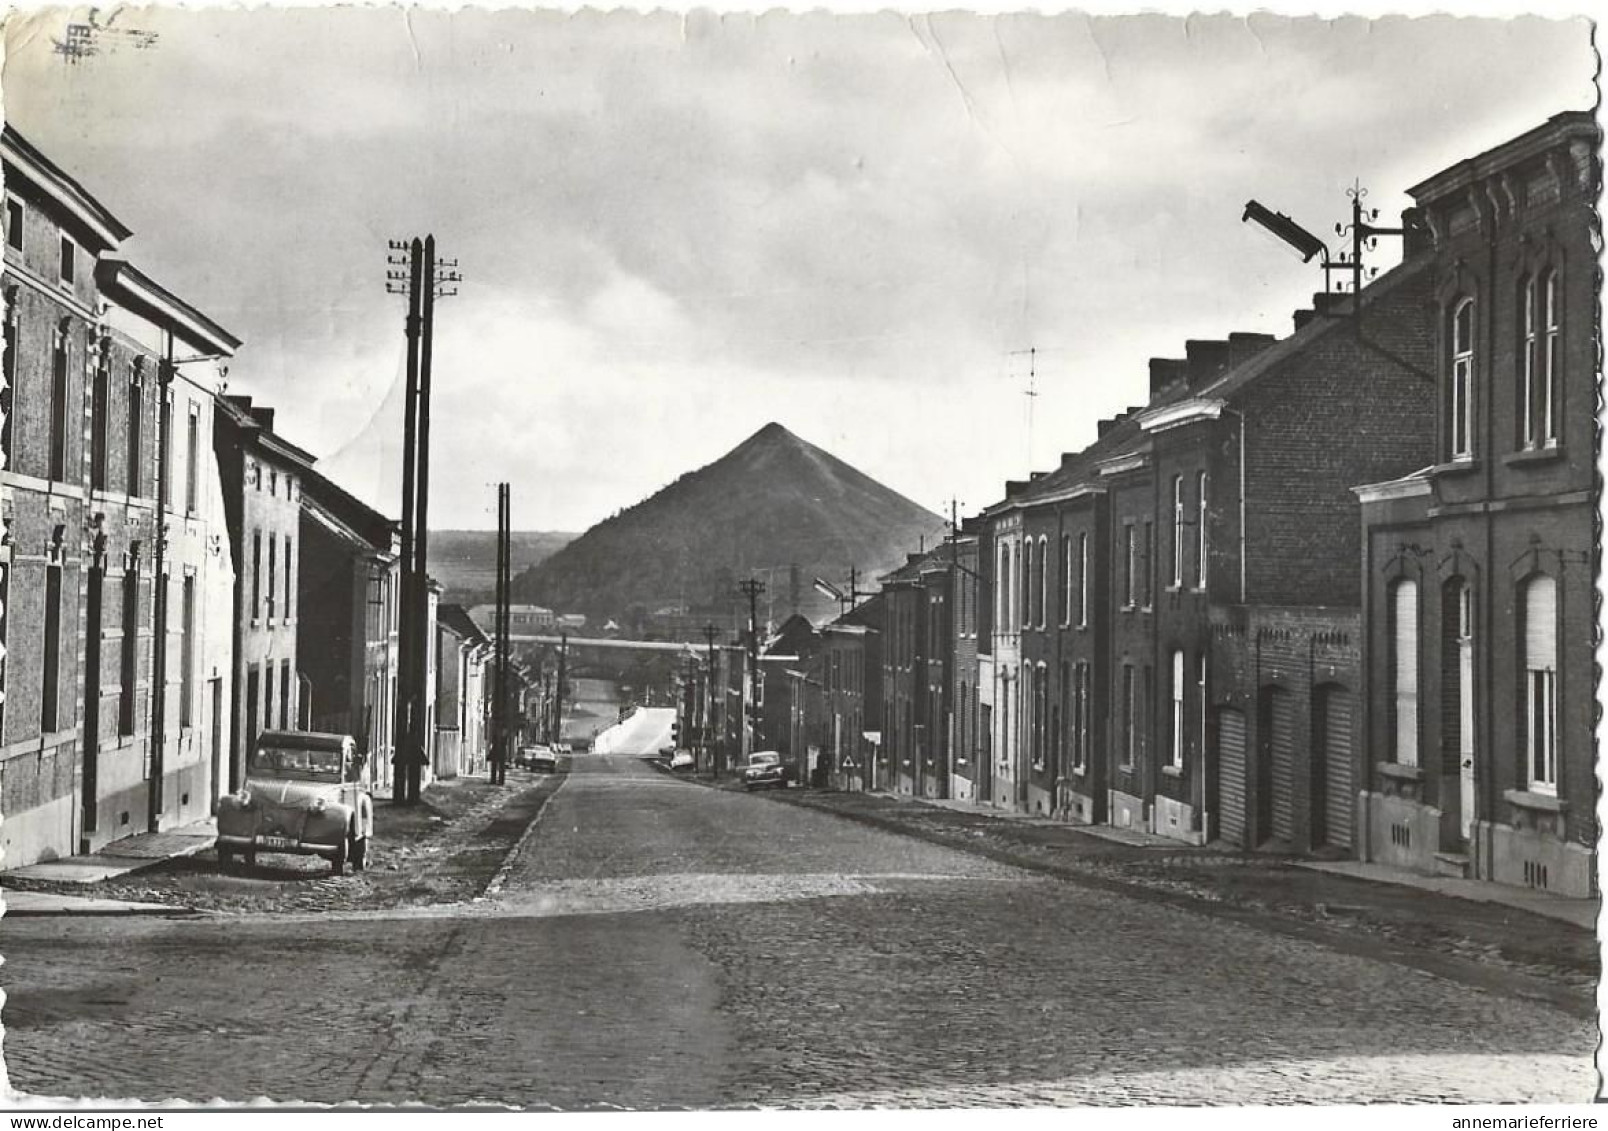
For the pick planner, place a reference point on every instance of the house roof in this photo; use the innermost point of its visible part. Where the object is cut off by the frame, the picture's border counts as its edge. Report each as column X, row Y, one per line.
column 323, row 493
column 456, row 619
column 257, row 423
column 128, row 286
column 1580, row 123
column 25, row 158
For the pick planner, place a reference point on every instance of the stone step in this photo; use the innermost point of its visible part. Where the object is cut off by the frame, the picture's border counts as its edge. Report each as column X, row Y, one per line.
column 1454, row 864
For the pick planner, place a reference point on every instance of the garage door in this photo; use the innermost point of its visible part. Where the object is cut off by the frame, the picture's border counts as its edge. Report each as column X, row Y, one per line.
column 1231, row 774
column 1335, row 707
column 1281, row 749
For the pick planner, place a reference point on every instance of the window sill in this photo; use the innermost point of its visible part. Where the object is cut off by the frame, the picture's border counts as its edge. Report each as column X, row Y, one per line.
column 1534, row 457
column 1539, row 802
column 1173, row 771
column 1461, row 466
column 1080, row 771
column 1401, row 772
column 1125, row 768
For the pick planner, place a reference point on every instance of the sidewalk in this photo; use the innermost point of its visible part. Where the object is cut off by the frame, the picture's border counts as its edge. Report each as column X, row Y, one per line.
column 118, row 858
column 26, row 904
column 1581, row 912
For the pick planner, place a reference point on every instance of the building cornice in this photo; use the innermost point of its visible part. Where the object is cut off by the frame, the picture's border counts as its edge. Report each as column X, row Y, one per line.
column 1184, row 412
column 1407, row 487
column 1121, row 465
column 62, row 189
column 123, row 283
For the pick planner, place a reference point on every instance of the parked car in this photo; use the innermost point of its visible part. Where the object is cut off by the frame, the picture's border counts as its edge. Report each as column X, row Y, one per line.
column 304, row 794
column 539, row 757
column 766, row 768
column 683, row 762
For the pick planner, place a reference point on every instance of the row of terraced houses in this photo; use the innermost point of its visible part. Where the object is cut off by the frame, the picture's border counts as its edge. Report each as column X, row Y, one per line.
column 1327, row 593
column 175, row 575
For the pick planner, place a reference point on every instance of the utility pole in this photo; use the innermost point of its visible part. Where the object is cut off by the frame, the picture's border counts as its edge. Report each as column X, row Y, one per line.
column 752, row 589
column 711, row 734
column 558, row 688
column 501, row 723
column 164, row 414
column 423, row 282
column 410, row 283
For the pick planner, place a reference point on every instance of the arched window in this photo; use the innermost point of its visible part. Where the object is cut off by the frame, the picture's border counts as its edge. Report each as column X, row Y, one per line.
column 1025, row 600
column 1175, row 740
column 1066, row 580
column 1404, row 671
column 1540, row 604
column 1002, row 584
column 1041, row 593
column 1178, row 532
column 1200, row 531
column 1551, row 361
column 1460, row 393
column 1083, row 580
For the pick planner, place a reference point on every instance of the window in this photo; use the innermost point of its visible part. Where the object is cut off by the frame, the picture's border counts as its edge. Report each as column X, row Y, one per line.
column 69, row 260
column 8, row 393
column 129, row 652
column 97, row 420
column 14, row 223
column 58, row 405
column 1540, row 604
column 192, row 460
column 1002, row 586
column 1200, row 703
column 1130, row 565
column 164, row 483
column 50, row 693
column 1178, row 532
column 253, row 706
column 1404, row 670
column 1066, row 580
column 1200, row 531
column 1083, row 580
column 1041, row 592
column 290, row 605
column 1147, row 573
column 273, row 483
column 286, row 719
column 1080, row 718
column 1460, row 399
column 1025, row 601
column 187, row 656
column 267, row 722
column 136, row 417
column 256, row 574
column 1130, row 718
column 1175, row 748
column 1538, row 360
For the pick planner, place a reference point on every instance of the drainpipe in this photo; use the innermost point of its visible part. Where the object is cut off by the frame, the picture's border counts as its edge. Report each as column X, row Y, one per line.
column 158, row 739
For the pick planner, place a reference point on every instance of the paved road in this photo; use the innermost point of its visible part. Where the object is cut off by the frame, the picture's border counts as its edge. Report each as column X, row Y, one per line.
column 660, row 944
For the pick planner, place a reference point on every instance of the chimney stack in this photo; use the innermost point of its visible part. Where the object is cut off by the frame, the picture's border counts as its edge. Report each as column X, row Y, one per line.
column 1164, row 371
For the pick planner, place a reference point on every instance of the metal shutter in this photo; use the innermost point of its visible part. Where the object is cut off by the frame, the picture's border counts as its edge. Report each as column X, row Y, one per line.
column 1281, row 749
column 1231, row 774
column 1335, row 705
column 1541, row 624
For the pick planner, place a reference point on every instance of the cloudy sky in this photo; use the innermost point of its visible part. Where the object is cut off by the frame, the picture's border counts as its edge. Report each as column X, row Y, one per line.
column 674, row 229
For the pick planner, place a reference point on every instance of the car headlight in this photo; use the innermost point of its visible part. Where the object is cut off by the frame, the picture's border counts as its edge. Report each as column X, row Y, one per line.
column 320, row 805
column 243, row 798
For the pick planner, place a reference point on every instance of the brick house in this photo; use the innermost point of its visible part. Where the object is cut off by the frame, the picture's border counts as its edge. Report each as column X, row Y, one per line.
column 262, row 476
column 914, row 690
column 100, row 736
column 346, row 596
column 850, row 661
column 968, row 755
column 461, row 703
column 935, row 575
column 1478, row 755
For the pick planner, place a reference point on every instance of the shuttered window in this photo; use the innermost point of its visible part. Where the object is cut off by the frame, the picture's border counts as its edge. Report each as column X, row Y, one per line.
column 1540, row 605
column 1404, row 667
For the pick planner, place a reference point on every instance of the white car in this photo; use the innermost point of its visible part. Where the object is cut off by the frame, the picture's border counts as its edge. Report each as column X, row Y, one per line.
column 683, row 761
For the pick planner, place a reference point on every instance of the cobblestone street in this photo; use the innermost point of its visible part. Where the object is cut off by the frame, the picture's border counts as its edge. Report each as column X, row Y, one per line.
column 657, row 944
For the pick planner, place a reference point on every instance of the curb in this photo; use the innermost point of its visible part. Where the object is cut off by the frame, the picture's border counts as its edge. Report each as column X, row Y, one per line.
column 500, row 876
column 175, row 912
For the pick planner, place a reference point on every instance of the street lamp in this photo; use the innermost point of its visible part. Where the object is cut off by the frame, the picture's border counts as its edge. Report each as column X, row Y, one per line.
column 1362, row 231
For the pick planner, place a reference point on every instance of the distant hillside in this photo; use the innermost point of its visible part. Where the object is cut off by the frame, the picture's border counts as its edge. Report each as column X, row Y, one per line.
column 465, row 561
column 775, row 506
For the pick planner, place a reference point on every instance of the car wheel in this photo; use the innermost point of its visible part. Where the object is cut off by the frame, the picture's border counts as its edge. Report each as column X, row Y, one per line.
column 359, row 853
column 337, row 863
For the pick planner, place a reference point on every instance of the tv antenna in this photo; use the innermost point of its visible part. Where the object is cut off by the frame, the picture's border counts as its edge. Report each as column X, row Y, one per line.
column 1030, row 392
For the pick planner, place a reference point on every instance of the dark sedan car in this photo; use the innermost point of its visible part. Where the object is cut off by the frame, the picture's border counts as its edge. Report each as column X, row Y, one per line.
column 765, row 769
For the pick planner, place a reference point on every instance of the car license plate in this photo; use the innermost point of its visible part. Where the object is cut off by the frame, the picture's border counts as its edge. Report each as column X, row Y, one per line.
column 275, row 842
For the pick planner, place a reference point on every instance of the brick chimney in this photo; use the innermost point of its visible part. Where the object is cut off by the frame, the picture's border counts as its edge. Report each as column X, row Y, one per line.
column 1104, row 426
column 1206, row 360
column 1329, row 302
column 1165, row 371
column 1415, row 239
column 1302, row 317
column 1243, row 345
